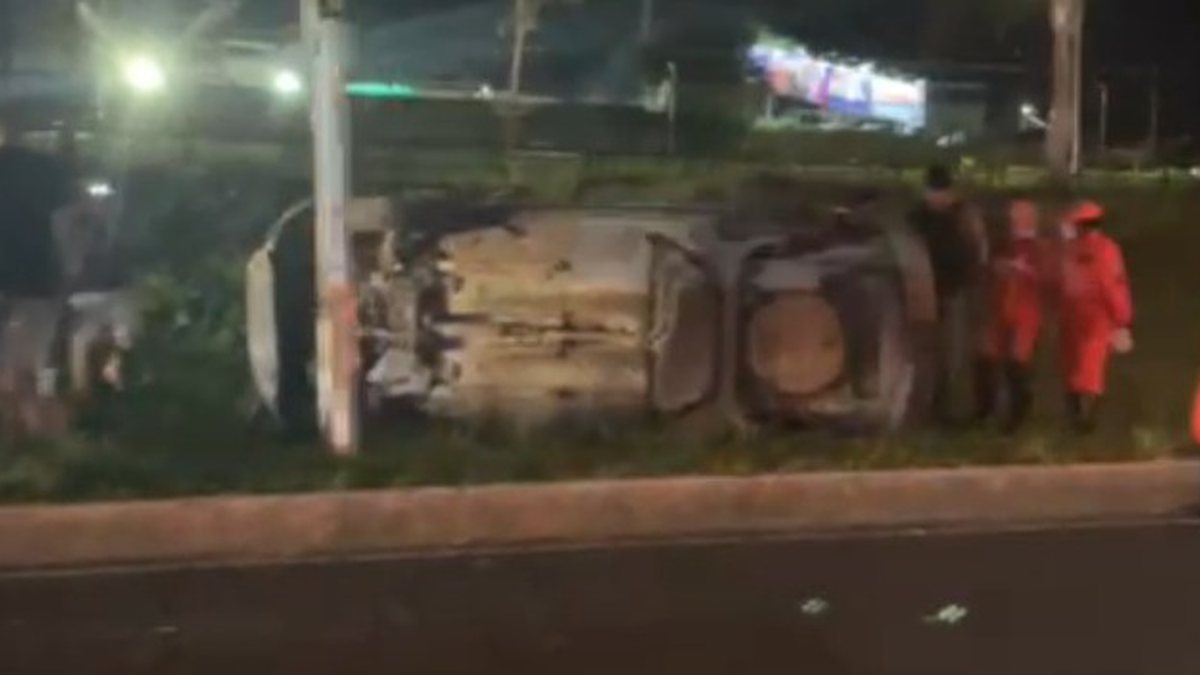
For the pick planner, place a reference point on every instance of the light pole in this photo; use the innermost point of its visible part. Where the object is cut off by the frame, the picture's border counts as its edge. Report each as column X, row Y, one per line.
column 1104, row 107
column 524, row 16
column 337, row 300
column 672, row 109
column 1063, row 137
column 1077, row 88
column 1155, row 107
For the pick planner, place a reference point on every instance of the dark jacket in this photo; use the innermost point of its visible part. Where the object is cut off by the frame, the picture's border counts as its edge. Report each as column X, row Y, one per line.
column 952, row 251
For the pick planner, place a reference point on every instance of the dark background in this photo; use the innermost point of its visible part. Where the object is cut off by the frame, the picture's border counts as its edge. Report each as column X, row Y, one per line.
column 1126, row 38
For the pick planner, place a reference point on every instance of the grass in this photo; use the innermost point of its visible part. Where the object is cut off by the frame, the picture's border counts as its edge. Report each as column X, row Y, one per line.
column 1146, row 414
column 456, row 456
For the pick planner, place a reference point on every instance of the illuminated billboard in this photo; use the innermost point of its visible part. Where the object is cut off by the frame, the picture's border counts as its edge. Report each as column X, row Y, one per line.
column 851, row 89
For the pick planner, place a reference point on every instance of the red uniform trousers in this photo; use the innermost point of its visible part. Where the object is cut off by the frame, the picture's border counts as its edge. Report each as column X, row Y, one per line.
column 1015, row 316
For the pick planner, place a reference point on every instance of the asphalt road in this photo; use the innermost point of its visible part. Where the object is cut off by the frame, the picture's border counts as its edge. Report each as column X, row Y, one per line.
column 1117, row 600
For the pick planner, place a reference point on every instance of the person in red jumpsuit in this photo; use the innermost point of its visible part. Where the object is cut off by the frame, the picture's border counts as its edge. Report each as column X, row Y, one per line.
column 1196, row 418
column 1017, row 284
column 1095, row 310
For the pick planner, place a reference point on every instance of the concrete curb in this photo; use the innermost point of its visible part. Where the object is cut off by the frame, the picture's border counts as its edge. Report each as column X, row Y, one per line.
column 249, row 529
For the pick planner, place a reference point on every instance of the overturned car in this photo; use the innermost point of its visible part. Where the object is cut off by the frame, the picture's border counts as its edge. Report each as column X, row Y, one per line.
column 534, row 314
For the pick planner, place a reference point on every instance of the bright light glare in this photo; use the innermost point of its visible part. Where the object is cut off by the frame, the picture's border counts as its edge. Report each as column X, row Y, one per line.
column 100, row 190
column 288, row 83
column 1029, row 110
column 144, row 75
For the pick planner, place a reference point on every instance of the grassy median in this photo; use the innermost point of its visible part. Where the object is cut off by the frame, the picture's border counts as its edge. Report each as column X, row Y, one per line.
column 439, row 455
column 186, row 429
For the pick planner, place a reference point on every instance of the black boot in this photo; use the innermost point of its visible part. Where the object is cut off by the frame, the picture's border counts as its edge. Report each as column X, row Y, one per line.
column 942, row 405
column 1074, row 410
column 986, row 381
column 1081, row 409
column 1019, row 382
column 1088, row 414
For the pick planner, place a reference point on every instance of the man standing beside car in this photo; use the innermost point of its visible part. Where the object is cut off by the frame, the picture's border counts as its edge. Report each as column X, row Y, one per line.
column 954, row 236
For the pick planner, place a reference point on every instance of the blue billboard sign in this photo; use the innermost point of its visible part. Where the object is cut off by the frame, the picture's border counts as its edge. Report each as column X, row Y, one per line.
column 851, row 89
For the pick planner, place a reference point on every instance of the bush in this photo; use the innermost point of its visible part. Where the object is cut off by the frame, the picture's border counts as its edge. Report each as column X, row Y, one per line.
column 188, row 380
column 185, row 237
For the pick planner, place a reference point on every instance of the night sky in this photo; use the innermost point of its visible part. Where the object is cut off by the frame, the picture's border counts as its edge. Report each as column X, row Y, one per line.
column 1164, row 33
column 1126, row 37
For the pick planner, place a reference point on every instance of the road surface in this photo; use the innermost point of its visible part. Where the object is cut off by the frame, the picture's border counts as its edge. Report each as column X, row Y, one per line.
column 1117, row 600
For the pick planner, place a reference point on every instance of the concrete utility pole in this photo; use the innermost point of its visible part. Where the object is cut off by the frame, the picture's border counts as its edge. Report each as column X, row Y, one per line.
column 337, row 313
column 1063, row 140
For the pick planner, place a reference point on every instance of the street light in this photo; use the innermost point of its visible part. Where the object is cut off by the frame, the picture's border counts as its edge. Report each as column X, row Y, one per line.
column 1104, row 101
column 100, row 190
column 287, row 83
column 1031, row 118
column 384, row 90
column 144, row 75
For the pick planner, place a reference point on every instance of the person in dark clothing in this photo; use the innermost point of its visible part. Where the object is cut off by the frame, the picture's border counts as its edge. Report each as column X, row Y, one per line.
column 954, row 236
column 855, row 293
column 296, row 312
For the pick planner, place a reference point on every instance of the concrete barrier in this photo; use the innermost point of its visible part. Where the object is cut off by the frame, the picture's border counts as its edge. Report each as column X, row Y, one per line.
column 253, row 529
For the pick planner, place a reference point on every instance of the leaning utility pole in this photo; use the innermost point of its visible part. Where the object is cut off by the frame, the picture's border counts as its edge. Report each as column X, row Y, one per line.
column 1063, row 139
column 337, row 300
